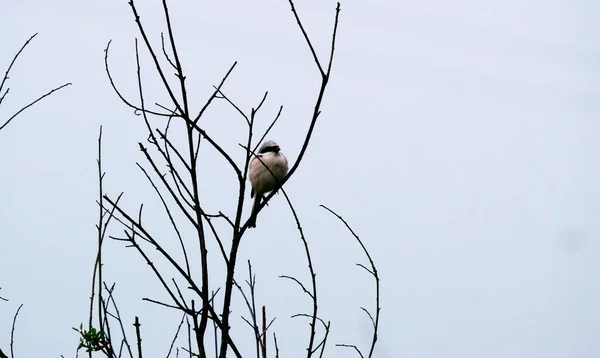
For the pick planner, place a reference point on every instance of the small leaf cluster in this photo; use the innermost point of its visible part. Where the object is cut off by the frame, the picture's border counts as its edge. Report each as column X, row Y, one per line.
column 92, row 340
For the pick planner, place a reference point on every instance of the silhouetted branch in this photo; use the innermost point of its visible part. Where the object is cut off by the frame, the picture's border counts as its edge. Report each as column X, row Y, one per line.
column 136, row 225
column 251, row 305
column 6, row 77
column 138, row 336
column 12, row 332
column 373, row 272
column 317, row 107
column 183, row 186
column 313, row 295
column 137, row 109
column 176, row 334
column 214, row 95
column 101, row 227
column 276, row 346
column 32, row 103
column 117, row 317
column 351, row 346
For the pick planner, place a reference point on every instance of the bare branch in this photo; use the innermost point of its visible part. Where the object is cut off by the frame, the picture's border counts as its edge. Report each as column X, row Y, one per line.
column 373, row 272
column 123, row 99
column 117, row 316
column 5, row 78
column 317, row 107
column 268, row 128
column 313, row 276
column 299, row 283
column 32, row 103
column 214, row 95
column 276, row 346
column 351, row 346
column 308, row 42
column 159, row 70
column 176, row 334
column 138, row 336
column 12, row 332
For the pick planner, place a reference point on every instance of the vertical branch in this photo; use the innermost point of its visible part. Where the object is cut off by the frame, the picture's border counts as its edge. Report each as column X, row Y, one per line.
column 194, row 179
column 201, row 238
column 100, row 234
column 251, row 305
column 138, row 336
column 264, row 332
column 184, row 113
column 178, row 66
column 276, row 346
column 97, row 279
column 12, row 332
column 313, row 278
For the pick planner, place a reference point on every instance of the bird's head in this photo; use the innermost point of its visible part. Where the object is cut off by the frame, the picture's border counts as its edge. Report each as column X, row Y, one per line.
column 269, row 146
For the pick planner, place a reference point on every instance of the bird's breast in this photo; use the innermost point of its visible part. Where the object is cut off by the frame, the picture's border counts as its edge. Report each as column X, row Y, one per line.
column 263, row 179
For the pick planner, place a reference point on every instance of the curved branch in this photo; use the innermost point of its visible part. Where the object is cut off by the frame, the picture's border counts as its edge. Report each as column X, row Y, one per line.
column 12, row 332
column 313, row 278
column 123, row 99
column 373, row 272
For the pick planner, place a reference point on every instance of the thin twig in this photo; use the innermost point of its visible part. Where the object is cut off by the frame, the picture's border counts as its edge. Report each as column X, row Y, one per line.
column 137, row 109
column 312, row 49
column 117, row 315
column 136, row 224
column 11, row 65
column 313, row 278
column 276, row 346
column 251, row 304
column 176, row 334
column 12, row 332
column 373, row 272
column 351, row 346
column 32, row 103
column 317, row 107
column 268, row 128
column 214, row 94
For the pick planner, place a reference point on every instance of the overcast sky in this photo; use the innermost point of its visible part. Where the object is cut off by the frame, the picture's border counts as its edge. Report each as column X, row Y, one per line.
column 459, row 139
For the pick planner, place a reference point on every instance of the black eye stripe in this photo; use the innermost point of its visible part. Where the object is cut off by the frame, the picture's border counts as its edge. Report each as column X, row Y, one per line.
column 273, row 148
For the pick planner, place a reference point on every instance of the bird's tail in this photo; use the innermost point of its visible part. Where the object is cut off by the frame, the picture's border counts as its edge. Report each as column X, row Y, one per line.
column 252, row 221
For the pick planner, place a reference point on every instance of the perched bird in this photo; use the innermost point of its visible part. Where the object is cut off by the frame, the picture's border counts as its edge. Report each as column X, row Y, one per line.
column 262, row 179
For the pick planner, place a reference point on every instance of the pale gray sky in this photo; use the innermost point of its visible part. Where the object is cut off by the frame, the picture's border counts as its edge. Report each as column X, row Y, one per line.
column 458, row 138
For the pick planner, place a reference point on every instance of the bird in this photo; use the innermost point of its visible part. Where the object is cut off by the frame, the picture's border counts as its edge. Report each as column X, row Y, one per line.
column 264, row 180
